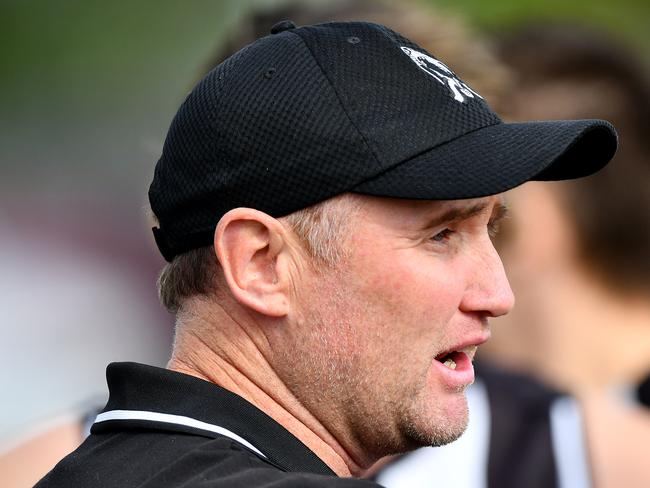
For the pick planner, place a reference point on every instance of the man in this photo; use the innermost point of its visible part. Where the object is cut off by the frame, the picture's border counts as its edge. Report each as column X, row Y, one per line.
column 518, row 427
column 325, row 198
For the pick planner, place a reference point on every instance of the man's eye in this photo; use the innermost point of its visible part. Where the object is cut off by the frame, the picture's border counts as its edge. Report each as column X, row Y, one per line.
column 443, row 235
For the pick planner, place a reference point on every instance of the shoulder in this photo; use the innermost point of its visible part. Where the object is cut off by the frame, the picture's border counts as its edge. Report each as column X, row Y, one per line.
column 273, row 478
column 172, row 460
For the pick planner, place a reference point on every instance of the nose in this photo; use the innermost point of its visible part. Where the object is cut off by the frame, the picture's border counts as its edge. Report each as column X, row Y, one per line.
column 488, row 291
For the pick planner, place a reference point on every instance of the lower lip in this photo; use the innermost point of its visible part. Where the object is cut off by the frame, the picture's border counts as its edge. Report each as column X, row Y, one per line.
column 460, row 377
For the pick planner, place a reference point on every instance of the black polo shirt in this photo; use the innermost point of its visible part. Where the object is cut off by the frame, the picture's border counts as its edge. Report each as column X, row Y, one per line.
column 164, row 429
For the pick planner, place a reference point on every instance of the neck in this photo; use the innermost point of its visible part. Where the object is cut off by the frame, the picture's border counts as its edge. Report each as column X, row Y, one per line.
column 216, row 345
column 589, row 338
column 615, row 329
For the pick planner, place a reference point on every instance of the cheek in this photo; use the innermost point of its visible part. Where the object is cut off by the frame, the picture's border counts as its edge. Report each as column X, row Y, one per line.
column 415, row 293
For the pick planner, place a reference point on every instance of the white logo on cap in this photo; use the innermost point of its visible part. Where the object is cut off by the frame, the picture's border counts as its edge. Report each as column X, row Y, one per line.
column 441, row 73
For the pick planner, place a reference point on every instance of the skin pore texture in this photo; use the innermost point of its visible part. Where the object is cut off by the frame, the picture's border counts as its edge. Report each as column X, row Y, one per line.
column 344, row 356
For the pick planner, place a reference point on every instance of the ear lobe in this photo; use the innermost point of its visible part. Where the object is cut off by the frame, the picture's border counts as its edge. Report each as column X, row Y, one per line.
column 248, row 244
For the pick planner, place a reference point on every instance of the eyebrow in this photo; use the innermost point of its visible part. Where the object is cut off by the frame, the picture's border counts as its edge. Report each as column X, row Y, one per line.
column 458, row 214
column 499, row 212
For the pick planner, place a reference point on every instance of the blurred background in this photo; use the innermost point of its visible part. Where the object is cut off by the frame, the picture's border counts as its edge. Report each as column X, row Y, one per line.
column 87, row 91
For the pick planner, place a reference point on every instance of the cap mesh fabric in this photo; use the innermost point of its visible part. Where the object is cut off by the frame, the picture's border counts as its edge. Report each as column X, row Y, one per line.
column 308, row 113
column 276, row 142
column 400, row 110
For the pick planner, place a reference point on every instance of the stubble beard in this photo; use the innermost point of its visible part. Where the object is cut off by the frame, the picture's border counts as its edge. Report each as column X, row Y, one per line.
column 398, row 421
column 427, row 424
column 401, row 422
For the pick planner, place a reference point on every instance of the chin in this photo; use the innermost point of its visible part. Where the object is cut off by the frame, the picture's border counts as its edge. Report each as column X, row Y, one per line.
column 439, row 425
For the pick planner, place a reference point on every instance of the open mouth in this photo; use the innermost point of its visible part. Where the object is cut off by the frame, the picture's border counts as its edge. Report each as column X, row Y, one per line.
column 451, row 359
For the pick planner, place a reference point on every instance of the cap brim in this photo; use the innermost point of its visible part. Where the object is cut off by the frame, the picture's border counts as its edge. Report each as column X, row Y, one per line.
column 497, row 158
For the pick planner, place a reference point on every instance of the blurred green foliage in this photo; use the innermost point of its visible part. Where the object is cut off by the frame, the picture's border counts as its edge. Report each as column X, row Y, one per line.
column 627, row 20
column 91, row 86
column 69, row 42
column 76, row 40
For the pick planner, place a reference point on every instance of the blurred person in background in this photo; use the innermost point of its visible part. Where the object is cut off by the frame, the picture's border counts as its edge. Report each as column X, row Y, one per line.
column 578, row 252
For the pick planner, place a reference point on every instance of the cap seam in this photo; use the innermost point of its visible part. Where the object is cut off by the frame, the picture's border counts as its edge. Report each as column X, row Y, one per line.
column 234, row 61
column 404, row 161
column 338, row 97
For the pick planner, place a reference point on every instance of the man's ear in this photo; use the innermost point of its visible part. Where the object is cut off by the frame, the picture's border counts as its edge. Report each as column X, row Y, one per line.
column 250, row 246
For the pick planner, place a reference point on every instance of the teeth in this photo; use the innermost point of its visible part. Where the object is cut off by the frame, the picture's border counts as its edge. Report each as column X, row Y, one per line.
column 450, row 363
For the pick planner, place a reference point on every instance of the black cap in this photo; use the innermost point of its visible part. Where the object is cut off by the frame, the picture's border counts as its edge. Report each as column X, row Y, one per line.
column 307, row 113
column 282, row 26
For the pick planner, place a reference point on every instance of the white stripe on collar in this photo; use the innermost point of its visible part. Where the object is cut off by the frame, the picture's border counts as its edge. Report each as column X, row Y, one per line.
column 174, row 419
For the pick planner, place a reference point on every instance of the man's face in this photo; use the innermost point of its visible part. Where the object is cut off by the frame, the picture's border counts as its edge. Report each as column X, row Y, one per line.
column 386, row 328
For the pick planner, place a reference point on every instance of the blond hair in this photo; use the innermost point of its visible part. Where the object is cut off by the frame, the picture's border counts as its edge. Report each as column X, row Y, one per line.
column 319, row 228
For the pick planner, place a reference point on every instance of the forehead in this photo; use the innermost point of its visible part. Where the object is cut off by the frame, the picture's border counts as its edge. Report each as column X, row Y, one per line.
column 402, row 212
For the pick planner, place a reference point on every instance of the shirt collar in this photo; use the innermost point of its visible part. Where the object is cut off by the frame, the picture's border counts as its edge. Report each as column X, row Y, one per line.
column 156, row 398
